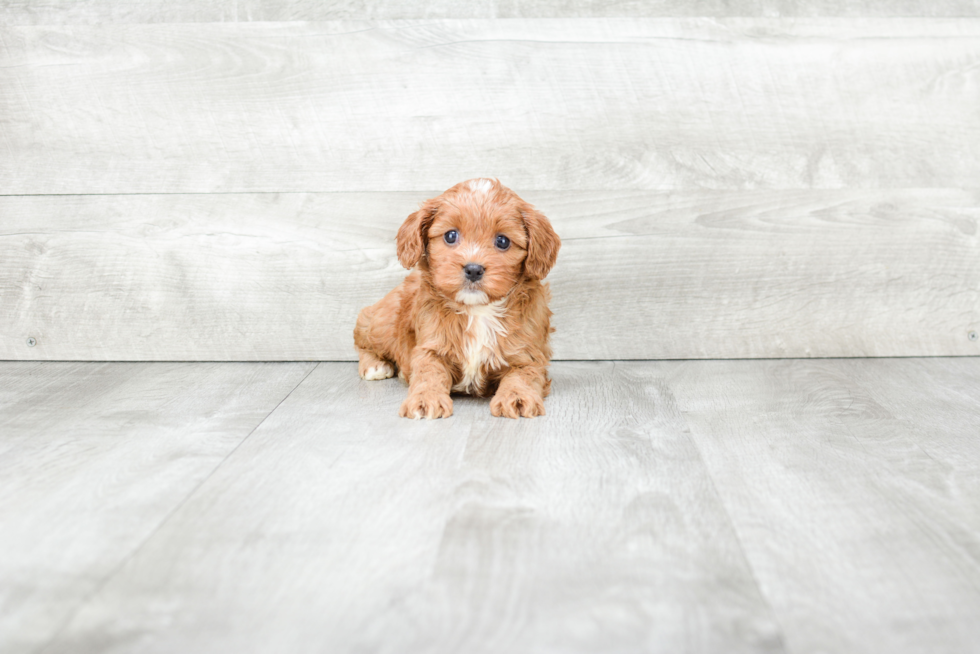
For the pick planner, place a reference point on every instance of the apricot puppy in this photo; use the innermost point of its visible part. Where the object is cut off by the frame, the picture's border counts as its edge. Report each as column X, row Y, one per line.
column 473, row 316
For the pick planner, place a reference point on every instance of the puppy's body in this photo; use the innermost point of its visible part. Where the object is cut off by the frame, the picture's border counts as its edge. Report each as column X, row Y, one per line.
column 450, row 327
column 479, row 344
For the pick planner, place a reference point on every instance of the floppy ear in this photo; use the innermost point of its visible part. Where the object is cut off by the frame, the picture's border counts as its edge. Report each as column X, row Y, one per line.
column 413, row 234
column 542, row 243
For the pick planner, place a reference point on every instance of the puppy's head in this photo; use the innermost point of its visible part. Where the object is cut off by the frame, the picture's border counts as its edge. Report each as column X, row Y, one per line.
column 477, row 241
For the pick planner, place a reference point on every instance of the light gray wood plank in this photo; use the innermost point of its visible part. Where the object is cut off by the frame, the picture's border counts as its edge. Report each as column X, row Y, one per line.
column 340, row 527
column 75, row 12
column 550, row 104
column 641, row 275
column 93, row 457
column 854, row 487
column 937, row 403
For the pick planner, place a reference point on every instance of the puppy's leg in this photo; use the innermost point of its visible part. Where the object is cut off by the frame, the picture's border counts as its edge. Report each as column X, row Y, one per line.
column 372, row 364
column 428, row 390
column 376, row 337
column 372, row 368
column 521, row 393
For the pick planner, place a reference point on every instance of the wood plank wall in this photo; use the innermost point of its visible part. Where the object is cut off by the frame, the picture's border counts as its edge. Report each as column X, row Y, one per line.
column 223, row 181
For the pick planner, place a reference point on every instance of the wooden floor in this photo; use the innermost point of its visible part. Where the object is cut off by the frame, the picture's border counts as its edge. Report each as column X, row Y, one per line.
column 686, row 506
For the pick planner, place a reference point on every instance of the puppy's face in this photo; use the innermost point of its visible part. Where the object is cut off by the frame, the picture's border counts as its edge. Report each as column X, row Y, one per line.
column 479, row 239
column 476, row 245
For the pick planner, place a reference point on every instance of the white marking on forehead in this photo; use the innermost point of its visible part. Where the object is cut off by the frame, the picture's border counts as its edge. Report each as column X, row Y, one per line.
column 482, row 185
column 470, row 250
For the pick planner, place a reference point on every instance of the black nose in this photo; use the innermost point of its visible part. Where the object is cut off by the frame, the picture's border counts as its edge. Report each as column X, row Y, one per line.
column 473, row 272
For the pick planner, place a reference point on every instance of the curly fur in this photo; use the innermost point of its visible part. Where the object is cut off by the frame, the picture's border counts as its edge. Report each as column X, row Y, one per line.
column 442, row 333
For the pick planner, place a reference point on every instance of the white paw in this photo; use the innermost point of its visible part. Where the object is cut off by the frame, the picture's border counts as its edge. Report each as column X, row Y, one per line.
column 380, row 371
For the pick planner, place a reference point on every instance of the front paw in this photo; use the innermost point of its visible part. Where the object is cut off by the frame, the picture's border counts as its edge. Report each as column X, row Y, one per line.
column 426, row 404
column 517, row 403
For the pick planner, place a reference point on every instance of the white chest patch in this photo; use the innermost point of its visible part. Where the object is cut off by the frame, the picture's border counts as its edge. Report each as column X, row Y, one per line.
column 482, row 348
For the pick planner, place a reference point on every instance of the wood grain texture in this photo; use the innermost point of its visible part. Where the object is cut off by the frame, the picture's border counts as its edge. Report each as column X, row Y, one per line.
column 546, row 104
column 641, row 275
column 338, row 526
column 75, row 12
column 700, row 506
column 853, row 487
column 94, row 457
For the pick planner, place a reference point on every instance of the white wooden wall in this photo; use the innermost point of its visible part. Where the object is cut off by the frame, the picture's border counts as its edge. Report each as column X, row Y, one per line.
column 220, row 181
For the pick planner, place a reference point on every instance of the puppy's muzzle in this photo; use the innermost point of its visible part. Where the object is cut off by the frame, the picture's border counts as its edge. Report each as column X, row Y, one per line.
column 473, row 271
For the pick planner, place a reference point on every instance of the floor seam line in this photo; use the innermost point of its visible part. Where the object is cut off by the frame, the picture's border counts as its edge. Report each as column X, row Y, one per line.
column 741, row 547
column 129, row 557
column 731, row 522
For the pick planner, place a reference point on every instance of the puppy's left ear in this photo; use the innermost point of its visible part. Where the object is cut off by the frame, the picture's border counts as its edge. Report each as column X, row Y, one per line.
column 414, row 233
column 542, row 243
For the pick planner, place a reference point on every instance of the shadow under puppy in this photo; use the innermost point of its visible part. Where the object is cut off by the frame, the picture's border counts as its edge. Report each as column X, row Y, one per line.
column 473, row 317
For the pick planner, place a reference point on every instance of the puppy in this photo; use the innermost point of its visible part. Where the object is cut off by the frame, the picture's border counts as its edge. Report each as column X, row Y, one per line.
column 473, row 316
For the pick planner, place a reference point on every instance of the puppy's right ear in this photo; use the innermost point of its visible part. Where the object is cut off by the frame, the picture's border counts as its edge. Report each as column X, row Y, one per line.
column 414, row 233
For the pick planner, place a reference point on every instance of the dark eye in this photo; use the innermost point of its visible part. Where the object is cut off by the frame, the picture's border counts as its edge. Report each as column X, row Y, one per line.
column 502, row 242
column 451, row 236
